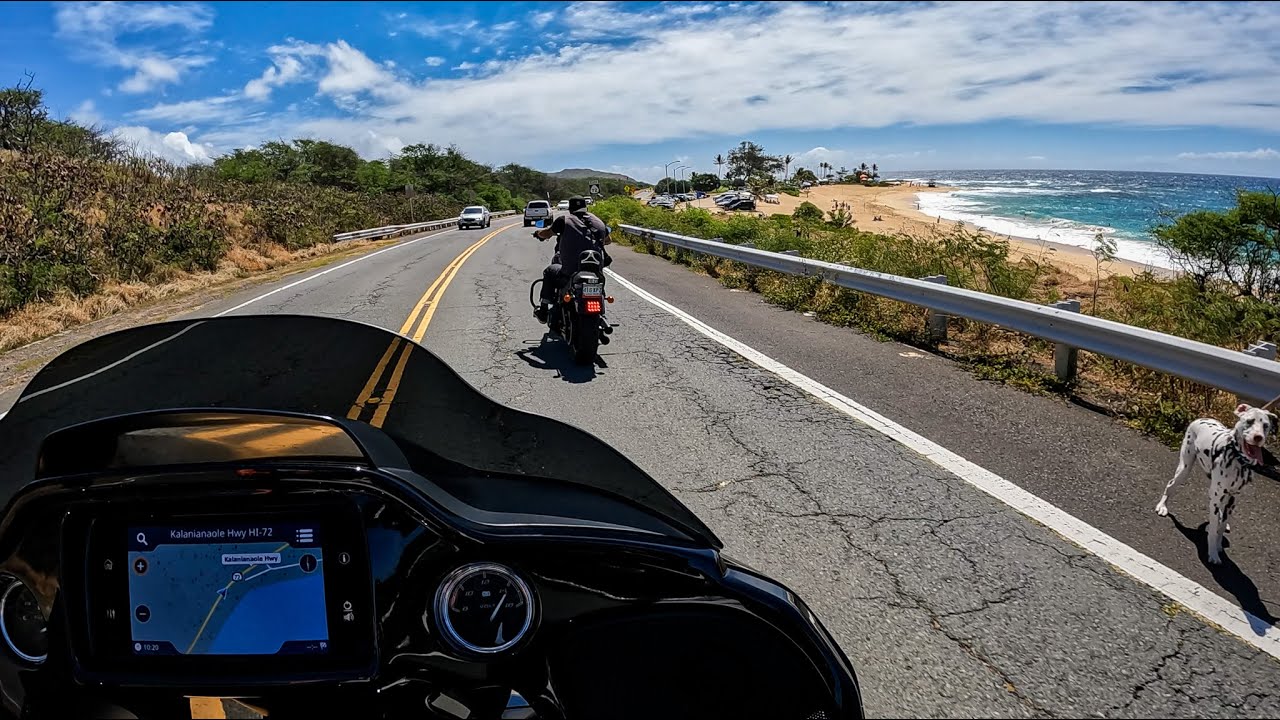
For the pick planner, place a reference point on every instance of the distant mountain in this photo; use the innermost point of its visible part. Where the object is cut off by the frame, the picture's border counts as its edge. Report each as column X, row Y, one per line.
column 584, row 173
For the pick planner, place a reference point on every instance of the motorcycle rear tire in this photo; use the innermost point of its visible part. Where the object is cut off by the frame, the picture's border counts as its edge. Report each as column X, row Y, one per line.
column 584, row 339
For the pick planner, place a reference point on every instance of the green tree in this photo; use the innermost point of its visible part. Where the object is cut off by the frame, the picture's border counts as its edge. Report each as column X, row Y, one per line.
column 706, row 182
column 748, row 162
column 807, row 212
column 324, row 163
column 373, row 177
column 786, row 167
column 804, row 175
column 1104, row 252
column 719, row 161
column 1240, row 246
column 22, row 114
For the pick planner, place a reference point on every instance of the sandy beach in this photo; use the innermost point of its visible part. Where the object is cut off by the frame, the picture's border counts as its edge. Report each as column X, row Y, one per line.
column 896, row 209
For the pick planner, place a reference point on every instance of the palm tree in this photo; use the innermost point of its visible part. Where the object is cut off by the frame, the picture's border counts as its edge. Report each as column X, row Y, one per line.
column 718, row 161
column 786, row 167
column 841, row 173
column 874, row 168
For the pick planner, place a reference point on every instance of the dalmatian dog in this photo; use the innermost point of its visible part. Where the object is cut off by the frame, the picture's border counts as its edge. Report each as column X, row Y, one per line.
column 1228, row 457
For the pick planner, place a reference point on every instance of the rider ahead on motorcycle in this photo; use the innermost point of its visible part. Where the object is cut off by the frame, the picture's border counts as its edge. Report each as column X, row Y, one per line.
column 576, row 232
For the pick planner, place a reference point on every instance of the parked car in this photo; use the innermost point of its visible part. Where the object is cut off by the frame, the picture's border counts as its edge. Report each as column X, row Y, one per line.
column 745, row 203
column 562, row 205
column 474, row 216
column 537, row 210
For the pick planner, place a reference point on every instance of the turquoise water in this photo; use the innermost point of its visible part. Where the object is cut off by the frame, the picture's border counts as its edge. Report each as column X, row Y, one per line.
column 1071, row 206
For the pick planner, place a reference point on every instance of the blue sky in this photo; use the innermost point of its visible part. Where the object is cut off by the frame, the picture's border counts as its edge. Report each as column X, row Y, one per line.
column 631, row 86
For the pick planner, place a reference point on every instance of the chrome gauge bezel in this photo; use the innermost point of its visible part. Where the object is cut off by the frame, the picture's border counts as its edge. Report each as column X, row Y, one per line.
column 456, row 578
column 12, row 584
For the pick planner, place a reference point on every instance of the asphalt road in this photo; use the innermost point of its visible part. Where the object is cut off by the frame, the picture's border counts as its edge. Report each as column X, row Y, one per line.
column 949, row 602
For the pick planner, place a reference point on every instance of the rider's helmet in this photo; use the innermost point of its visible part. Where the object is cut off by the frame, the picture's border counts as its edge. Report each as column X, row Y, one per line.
column 577, row 204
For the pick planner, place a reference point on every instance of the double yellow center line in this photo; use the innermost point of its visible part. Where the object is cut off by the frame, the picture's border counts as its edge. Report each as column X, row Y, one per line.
column 379, row 391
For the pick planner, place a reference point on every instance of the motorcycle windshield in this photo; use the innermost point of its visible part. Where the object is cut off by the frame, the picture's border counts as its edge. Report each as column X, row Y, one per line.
column 319, row 366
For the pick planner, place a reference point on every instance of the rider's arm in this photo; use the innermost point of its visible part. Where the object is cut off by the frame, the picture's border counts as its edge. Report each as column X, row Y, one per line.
column 555, row 228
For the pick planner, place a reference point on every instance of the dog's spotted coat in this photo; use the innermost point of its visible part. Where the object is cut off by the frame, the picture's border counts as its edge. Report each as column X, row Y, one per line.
column 1228, row 457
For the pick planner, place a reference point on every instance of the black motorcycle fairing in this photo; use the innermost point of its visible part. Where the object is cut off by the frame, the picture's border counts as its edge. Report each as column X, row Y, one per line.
column 440, row 477
column 319, row 366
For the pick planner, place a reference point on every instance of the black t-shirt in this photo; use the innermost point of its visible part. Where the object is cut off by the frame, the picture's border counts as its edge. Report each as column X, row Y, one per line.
column 578, row 233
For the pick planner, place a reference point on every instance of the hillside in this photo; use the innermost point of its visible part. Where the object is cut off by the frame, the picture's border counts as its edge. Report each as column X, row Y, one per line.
column 586, row 173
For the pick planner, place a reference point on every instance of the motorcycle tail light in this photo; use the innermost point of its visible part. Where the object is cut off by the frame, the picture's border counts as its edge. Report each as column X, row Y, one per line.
column 609, row 299
column 593, row 306
column 568, row 298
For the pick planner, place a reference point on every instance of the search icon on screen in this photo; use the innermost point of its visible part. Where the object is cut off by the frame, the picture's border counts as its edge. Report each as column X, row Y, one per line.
column 142, row 538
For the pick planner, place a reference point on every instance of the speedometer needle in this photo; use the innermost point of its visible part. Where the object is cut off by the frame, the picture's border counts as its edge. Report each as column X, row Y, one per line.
column 498, row 607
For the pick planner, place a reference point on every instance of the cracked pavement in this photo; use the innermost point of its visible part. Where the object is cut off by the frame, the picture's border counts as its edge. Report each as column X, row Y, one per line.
column 947, row 602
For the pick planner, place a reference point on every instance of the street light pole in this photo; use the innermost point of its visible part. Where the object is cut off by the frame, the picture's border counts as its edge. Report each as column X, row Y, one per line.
column 664, row 168
column 681, row 170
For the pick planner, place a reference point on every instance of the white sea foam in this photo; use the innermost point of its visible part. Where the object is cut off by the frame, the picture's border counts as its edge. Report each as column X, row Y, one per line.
column 1057, row 230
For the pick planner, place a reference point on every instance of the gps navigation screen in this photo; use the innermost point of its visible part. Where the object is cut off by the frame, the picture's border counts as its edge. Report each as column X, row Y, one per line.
column 227, row 590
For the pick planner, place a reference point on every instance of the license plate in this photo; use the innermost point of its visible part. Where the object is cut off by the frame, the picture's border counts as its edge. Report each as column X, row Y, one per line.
column 592, row 290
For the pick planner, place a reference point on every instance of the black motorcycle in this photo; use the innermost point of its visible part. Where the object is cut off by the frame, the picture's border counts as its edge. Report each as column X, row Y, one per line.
column 320, row 519
column 578, row 314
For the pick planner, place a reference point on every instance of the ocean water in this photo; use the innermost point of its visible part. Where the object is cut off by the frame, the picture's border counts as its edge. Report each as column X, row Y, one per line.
column 1071, row 206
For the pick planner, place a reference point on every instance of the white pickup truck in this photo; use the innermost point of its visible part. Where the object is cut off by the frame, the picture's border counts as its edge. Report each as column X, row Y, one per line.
column 537, row 210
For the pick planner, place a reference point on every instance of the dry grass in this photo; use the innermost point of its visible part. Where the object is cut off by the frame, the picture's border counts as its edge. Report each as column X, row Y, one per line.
column 41, row 320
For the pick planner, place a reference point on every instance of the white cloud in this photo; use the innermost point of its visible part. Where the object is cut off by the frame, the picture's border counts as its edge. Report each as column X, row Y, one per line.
column 692, row 68
column 86, row 113
column 1036, row 157
column 505, row 27
column 115, row 18
column 741, row 73
column 541, row 19
column 284, row 69
column 351, row 72
column 94, row 30
column 429, row 28
column 175, row 146
column 849, row 159
column 220, row 109
column 1259, row 154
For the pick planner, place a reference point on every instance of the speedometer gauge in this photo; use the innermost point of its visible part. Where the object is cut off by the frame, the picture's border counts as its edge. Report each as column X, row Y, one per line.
column 484, row 608
column 22, row 623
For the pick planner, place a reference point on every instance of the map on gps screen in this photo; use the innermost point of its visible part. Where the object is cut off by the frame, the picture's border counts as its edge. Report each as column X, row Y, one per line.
column 251, row 591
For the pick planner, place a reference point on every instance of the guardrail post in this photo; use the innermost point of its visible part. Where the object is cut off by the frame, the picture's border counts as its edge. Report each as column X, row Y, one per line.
column 1267, row 351
column 937, row 321
column 1065, row 356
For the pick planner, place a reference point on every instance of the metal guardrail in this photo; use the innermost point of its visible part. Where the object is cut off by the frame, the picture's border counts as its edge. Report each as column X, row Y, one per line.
column 1244, row 374
column 398, row 230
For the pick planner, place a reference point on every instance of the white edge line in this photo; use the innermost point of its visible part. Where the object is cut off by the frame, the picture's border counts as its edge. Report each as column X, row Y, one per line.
column 1190, row 594
column 224, row 312
column 119, row 362
column 335, row 268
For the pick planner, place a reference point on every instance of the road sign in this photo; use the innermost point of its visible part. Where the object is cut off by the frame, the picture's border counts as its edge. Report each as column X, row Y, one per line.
column 408, row 190
column 595, row 188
